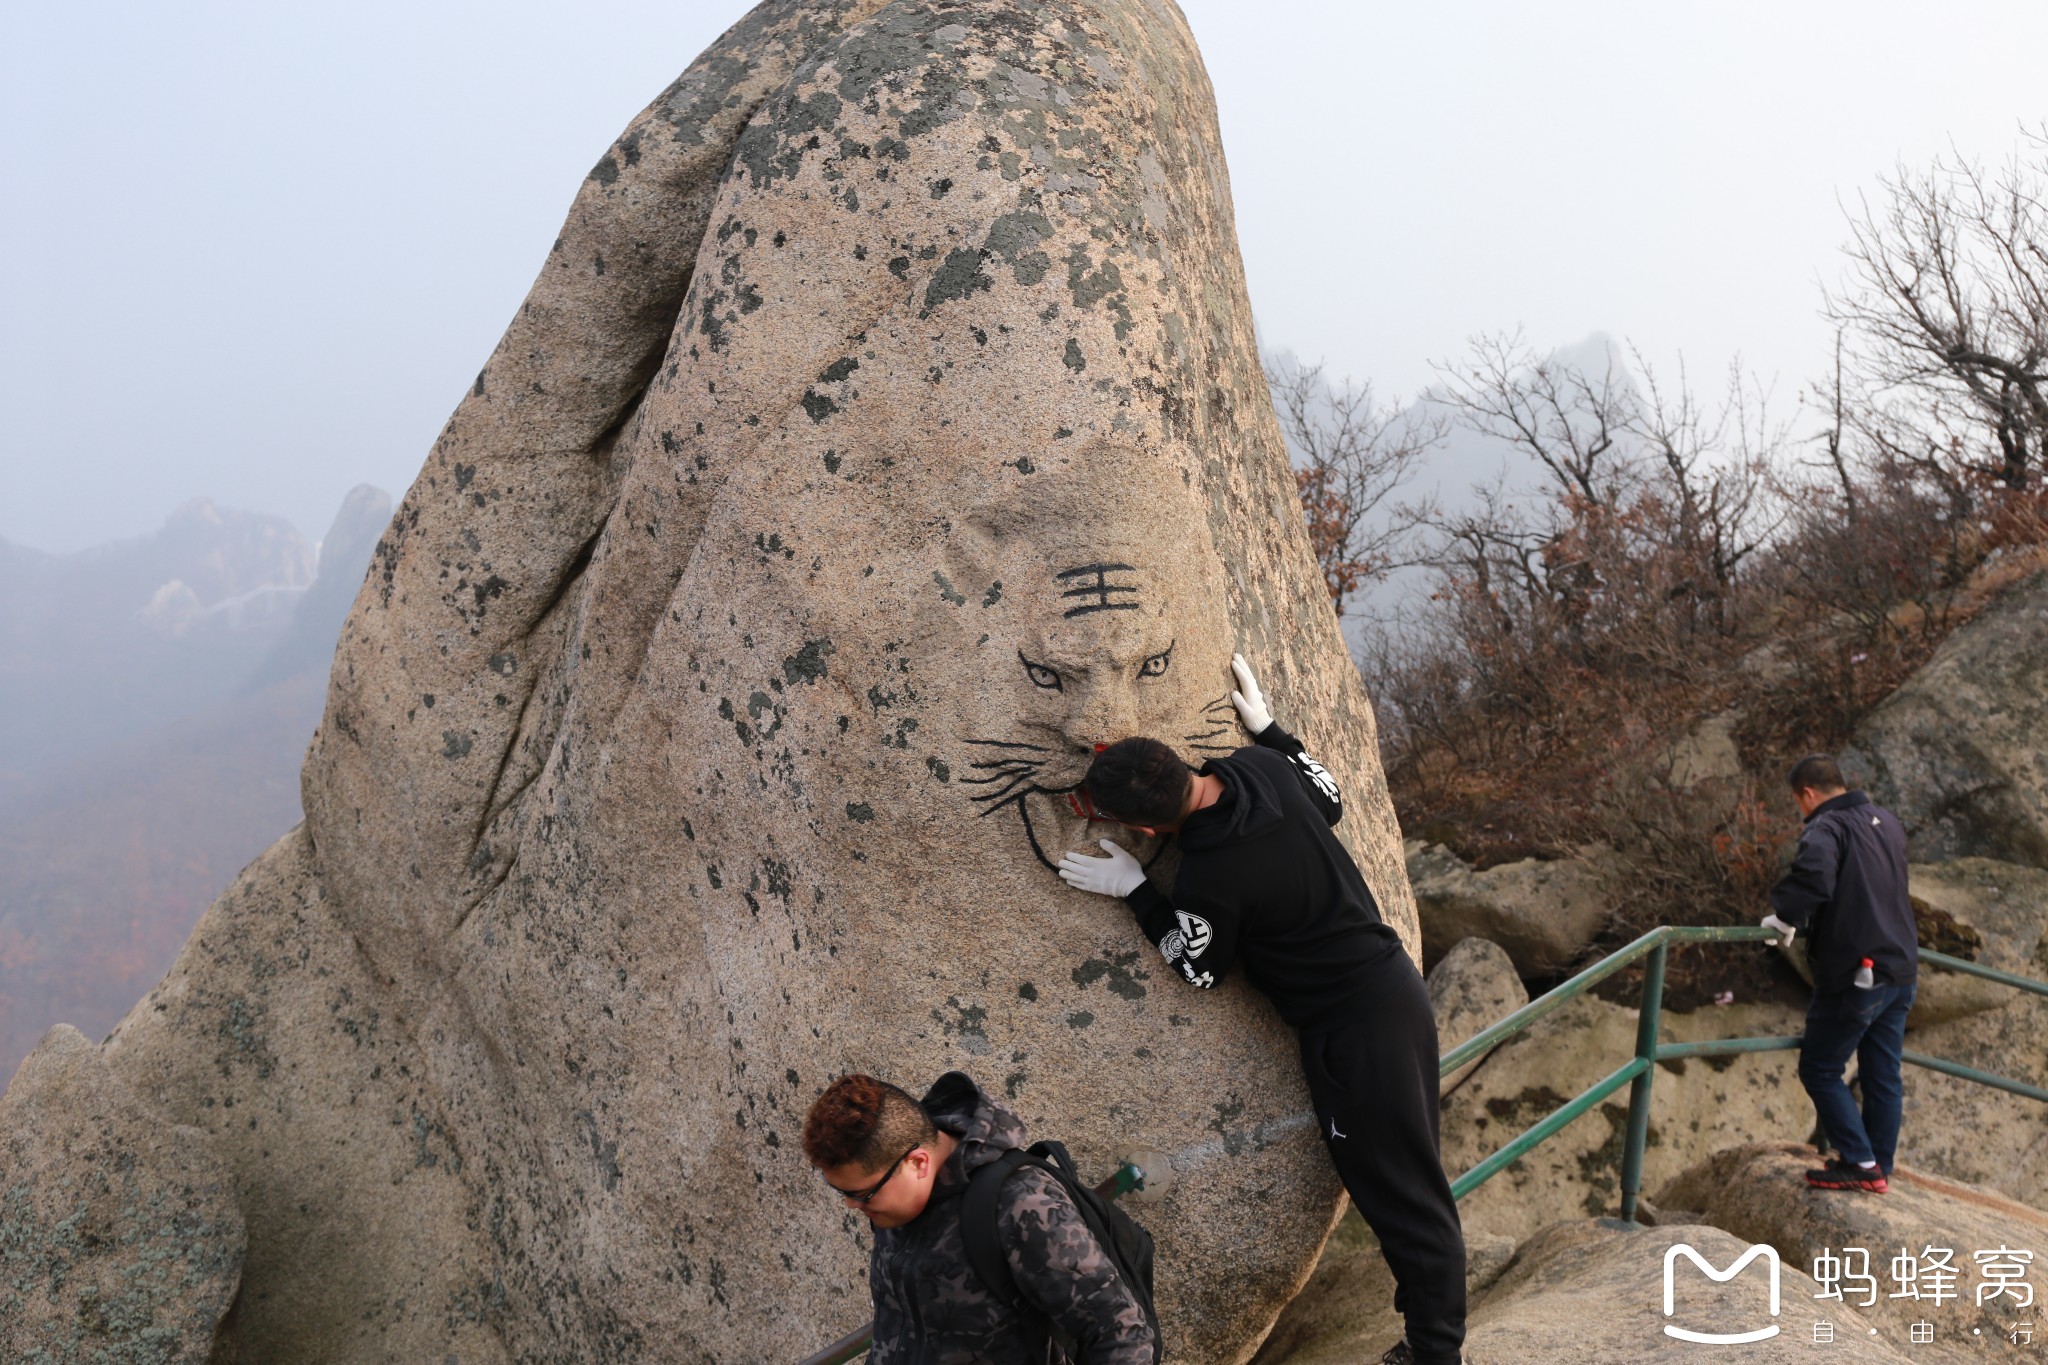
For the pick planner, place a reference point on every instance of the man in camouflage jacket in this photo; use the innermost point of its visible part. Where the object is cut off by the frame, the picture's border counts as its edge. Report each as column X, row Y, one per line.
column 905, row 1164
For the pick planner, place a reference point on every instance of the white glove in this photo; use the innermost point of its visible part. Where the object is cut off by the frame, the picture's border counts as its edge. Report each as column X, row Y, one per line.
column 1117, row 875
column 1251, row 705
column 1773, row 922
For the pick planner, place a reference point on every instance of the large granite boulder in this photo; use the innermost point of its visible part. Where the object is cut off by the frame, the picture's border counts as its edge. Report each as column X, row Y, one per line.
column 1957, row 751
column 1545, row 912
column 885, row 431
column 120, row 1238
column 1756, row 1193
column 1472, row 988
column 1592, row 1293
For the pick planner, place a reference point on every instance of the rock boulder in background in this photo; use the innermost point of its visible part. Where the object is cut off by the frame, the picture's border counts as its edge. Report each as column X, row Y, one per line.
column 1991, row 913
column 1957, row 750
column 1472, row 988
column 1966, row 1131
column 1544, row 912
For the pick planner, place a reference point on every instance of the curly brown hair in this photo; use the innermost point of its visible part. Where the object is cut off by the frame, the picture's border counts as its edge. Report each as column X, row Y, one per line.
column 865, row 1122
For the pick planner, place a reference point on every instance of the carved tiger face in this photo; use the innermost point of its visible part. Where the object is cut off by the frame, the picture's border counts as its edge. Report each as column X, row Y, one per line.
column 1110, row 639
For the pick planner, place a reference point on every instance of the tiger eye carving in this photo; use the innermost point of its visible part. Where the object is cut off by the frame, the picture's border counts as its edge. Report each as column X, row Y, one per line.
column 1041, row 676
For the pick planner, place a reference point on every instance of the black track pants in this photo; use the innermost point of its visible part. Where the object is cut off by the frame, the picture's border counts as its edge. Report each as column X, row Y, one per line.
column 1373, row 1077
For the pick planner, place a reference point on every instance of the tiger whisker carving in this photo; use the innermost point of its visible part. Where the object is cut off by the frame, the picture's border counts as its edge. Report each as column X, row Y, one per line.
column 1003, row 776
column 1000, row 768
column 1006, row 796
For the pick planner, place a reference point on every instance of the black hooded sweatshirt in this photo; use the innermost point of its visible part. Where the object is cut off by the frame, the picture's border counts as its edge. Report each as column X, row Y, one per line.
column 1264, row 881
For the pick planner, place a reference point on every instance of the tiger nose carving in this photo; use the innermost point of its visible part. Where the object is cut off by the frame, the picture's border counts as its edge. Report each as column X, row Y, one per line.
column 1100, row 717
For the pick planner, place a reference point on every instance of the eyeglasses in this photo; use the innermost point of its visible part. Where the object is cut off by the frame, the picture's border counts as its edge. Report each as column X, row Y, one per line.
column 863, row 1196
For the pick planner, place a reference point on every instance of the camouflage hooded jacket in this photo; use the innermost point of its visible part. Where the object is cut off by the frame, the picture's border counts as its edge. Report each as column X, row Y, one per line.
column 931, row 1308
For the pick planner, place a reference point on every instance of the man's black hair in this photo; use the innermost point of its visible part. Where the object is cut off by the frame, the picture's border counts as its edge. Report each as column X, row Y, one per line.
column 1818, row 771
column 1140, row 782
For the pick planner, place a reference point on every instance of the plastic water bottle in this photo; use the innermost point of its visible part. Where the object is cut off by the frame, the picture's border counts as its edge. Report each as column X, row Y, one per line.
column 1865, row 978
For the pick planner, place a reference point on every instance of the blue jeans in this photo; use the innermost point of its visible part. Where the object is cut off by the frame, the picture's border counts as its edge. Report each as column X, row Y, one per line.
column 1869, row 1025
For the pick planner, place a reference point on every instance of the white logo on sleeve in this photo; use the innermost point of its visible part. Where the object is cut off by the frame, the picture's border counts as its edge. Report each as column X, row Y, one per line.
column 1173, row 945
column 1319, row 775
column 1196, row 931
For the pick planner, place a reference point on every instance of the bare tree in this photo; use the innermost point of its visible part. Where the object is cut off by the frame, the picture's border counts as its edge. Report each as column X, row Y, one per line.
column 1714, row 471
column 1659, row 558
column 1945, row 314
column 1568, row 420
column 1351, row 455
column 1641, row 483
column 1886, row 516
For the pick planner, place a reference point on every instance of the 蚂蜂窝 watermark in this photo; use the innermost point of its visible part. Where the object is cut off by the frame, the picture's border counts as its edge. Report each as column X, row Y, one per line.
column 1761, row 1250
column 1930, row 1276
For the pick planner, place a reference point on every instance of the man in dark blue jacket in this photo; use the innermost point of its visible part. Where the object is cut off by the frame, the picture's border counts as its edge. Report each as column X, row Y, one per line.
column 1846, row 890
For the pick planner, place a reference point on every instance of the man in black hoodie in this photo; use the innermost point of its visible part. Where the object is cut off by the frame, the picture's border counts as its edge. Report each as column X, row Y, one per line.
column 904, row 1164
column 1846, row 890
column 1264, row 881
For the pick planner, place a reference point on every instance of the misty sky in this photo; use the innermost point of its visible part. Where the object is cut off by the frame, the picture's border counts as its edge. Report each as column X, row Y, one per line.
column 257, row 251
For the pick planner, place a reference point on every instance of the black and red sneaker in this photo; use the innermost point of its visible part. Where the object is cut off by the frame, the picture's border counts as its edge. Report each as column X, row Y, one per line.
column 1847, row 1175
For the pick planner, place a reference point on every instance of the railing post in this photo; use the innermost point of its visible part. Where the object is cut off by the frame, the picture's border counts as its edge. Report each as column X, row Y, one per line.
column 1639, row 1090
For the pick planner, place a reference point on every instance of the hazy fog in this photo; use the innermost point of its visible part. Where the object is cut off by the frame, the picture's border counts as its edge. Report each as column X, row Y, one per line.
column 256, row 252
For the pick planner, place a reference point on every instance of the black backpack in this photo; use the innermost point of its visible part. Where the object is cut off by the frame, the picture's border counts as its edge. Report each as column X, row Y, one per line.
column 1129, row 1246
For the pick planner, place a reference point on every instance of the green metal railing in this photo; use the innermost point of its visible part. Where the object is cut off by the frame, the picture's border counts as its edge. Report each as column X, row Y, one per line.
column 1640, row 1070
column 1637, row 1073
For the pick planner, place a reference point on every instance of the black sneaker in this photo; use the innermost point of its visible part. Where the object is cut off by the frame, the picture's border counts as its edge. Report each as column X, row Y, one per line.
column 1847, row 1175
column 1401, row 1353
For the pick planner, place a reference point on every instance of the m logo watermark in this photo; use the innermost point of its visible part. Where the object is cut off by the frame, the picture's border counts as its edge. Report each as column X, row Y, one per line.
column 1768, row 1253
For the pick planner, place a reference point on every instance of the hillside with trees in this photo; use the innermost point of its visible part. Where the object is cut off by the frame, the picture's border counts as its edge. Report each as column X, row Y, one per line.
column 1677, row 562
